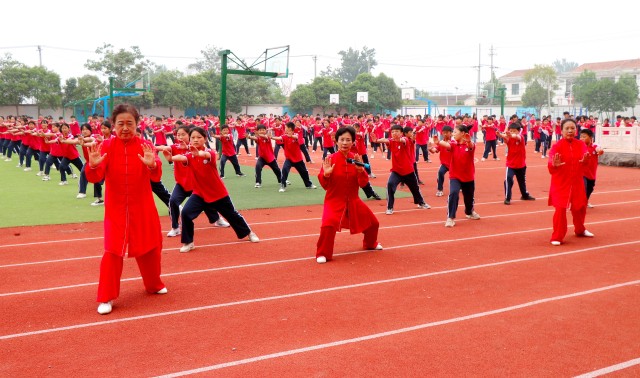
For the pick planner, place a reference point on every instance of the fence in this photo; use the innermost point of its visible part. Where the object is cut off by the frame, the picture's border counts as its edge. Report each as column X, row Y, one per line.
column 623, row 139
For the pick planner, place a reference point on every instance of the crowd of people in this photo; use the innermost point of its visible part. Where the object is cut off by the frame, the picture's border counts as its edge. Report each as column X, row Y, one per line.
column 129, row 145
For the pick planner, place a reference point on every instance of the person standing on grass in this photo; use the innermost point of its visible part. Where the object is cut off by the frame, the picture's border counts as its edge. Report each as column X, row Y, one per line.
column 209, row 192
column 343, row 208
column 568, row 159
column 402, row 160
column 228, row 151
column 265, row 154
column 516, row 163
column 586, row 135
column 293, row 158
column 184, row 183
column 461, row 174
column 131, row 223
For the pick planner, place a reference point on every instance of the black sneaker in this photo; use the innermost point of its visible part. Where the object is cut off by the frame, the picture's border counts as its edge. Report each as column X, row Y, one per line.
column 507, row 202
column 376, row 196
column 527, row 198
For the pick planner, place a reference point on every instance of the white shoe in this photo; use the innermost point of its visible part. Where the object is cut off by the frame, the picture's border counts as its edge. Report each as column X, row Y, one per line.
column 312, row 187
column 187, row 247
column 589, row 205
column 173, row 232
column 424, row 206
column 40, row 173
column 378, row 247
column 97, row 202
column 282, row 189
column 253, row 237
column 483, row 159
column 389, row 211
column 7, row 159
column 321, row 259
column 373, row 175
column 449, row 223
column 555, row 242
column 588, row 234
column 46, row 178
column 105, row 308
column 63, row 183
column 28, row 169
column 180, row 207
column 473, row 215
column 162, row 291
column 81, row 195
column 221, row 223
column 258, row 185
column 74, row 176
column 439, row 193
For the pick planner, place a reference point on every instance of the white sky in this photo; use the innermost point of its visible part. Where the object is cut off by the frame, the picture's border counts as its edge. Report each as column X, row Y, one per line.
column 415, row 41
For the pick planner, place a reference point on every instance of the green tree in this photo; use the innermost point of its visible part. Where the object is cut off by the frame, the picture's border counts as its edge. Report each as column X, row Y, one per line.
column 322, row 88
column 545, row 76
column 355, row 63
column 44, row 87
column 125, row 66
column 85, row 87
column 169, row 90
column 363, row 83
column 562, row 66
column 605, row 95
column 534, row 96
column 390, row 93
column 210, row 60
column 14, row 82
column 303, row 99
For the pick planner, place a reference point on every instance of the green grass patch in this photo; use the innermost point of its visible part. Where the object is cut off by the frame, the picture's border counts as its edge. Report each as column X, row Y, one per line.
column 26, row 200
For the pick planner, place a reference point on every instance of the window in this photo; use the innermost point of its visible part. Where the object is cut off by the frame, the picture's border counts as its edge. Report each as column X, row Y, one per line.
column 515, row 89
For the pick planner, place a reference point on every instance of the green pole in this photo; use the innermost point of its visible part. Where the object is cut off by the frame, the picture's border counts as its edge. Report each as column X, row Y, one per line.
column 110, row 104
column 223, row 87
column 502, row 95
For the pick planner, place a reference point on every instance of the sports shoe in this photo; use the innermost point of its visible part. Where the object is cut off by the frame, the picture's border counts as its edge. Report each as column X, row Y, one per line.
column 555, row 242
column 378, row 247
column 376, row 196
column 449, row 223
column 424, row 206
column 483, row 159
column 588, row 234
column 312, row 187
column 105, row 308
column 74, row 176
column 439, row 193
column 222, row 177
column 258, row 185
column 187, row 247
column 372, row 175
column 543, row 156
column 321, row 259
column 28, row 169
column 221, row 223
column 507, row 202
column 253, row 237
column 496, row 159
column 97, row 202
column 46, row 178
column 248, row 154
column 240, row 174
column 19, row 165
column 162, row 291
column 527, row 198
column 473, row 215
column 7, row 159
column 420, row 182
column 173, row 232
column 389, row 211
column 63, row 183
column 40, row 173
column 81, row 195
column 282, row 189
column 288, row 182
column 589, row 205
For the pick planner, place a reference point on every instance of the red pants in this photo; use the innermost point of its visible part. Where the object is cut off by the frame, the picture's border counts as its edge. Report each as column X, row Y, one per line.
column 111, row 271
column 328, row 237
column 560, row 222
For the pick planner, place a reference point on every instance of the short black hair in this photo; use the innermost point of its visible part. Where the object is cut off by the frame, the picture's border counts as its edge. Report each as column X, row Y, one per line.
column 447, row 128
column 588, row 132
column 343, row 130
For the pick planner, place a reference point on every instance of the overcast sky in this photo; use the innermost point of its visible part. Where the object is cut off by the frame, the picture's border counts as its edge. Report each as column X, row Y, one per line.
column 427, row 45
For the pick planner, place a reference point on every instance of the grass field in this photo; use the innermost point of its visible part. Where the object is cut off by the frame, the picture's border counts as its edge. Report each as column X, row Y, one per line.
column 26, row 200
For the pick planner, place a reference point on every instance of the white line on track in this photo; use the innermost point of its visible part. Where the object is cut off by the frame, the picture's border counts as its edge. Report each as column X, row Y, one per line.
column 610, row 369
column 312, row 292
column 400, row 330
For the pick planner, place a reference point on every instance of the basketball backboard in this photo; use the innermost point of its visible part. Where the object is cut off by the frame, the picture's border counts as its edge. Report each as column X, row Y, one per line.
column 277, row 60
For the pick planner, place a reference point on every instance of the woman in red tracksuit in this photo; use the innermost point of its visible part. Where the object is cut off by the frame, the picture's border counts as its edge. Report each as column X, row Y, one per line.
column 567, row 160
column 127, row 163
column 343, row 208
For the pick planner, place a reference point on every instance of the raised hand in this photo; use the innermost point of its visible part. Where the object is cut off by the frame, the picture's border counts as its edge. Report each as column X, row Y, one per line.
column 557, row 160
column 327, row 166
column 149, row 158
column 167, row 155
column 95, row 155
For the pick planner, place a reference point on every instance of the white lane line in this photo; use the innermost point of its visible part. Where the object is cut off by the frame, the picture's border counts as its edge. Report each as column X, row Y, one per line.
column 311, row 292
column 319, row 218
column 400, row 330
column 610, row 369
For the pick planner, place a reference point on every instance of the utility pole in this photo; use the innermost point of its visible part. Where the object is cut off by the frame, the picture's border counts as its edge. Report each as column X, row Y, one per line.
column 40, row 54
column 493, row 82
column 315, row 66
column 479, row 65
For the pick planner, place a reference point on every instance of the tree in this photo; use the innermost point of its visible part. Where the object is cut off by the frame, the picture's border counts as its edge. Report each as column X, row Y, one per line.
column 44, row 87
column 562, row 66
column 210, row 60
column 169, row 90
column 322, row 88
column 124, row 66
column 545, row 76
column 354, row 63
column 534, row 96
column 82, row 88
column 605, row 95
column 303, row 99
column 365, row 82
column 390, row 93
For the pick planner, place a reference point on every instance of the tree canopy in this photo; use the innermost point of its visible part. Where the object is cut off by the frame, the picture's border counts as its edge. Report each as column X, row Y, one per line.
column 605, row 95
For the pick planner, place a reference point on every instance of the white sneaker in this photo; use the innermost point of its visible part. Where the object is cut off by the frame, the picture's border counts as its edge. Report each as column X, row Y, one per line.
column 221, row 223
column 288, row 182
column 63, row 183
column 373, row 175
column 97, row 202
column 588, row 234
column 439, row 193
column 378, row 247
column 162, row 291
column 173, row 232
column 28, row 169
column 40, row 173
column 282, row 189
column 321, row 259
column 253, row 237
column 483, row 159
column 312, row 187
column 449, row 223
column 258, row 185
column 105, row 308
column 81, row 195
column 424, row 206
column 555, row 242
column 46, row 178
column 473, row 215
column 389, row 211
column 7, row 159
column 74, row 176
column 187, row 247
column 589, row 205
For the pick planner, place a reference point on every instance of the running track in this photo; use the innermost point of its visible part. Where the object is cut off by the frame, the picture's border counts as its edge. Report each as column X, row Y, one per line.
column 486, row 298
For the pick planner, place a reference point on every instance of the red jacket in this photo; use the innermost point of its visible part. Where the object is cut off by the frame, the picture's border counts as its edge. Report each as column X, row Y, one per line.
column 567, row 184
column 343, row 208
column 131, row 221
